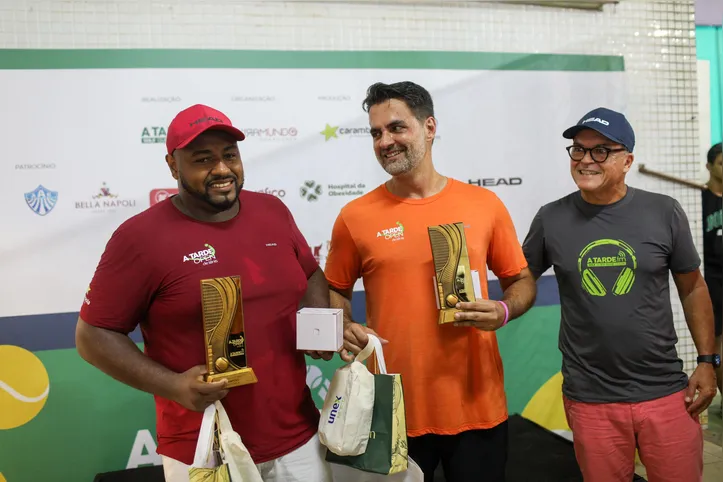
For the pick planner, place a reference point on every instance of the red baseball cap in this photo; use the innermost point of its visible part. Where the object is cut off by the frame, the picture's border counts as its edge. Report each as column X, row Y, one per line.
column 190, row 122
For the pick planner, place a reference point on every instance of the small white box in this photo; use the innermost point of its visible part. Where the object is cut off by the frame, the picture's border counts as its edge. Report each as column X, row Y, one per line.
column 320, row 329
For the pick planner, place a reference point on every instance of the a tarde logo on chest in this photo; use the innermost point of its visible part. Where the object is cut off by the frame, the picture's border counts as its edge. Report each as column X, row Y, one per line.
column 599, row 258
column 395, row 233
column 203, row 257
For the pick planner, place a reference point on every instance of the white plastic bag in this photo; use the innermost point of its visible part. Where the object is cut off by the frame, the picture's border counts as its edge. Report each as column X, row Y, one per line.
column 236, row 462
column 346, row 417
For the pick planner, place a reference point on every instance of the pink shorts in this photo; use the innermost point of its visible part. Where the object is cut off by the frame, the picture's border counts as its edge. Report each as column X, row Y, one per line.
column 669, row 440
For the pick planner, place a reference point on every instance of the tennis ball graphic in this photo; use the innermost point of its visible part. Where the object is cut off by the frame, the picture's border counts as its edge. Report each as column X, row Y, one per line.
column 24, row 386
column 2, row 479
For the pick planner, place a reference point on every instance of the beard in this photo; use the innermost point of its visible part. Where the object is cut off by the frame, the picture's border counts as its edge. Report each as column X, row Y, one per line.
column 218, row 203
column 410, row 157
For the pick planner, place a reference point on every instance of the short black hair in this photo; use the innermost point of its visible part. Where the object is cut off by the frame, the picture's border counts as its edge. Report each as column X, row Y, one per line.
column 714, row 152
column 415, row 96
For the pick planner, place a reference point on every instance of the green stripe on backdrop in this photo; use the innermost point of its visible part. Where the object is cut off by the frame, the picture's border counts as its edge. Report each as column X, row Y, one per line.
column 275, row 59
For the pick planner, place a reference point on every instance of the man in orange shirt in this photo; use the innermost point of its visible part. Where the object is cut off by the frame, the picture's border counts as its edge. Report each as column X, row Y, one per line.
column 452, row 373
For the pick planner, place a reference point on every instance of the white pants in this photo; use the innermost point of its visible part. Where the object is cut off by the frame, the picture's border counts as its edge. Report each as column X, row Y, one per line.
column 305, row 464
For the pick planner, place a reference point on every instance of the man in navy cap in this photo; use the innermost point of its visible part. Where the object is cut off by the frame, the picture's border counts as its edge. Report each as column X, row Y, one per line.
column 612, row 248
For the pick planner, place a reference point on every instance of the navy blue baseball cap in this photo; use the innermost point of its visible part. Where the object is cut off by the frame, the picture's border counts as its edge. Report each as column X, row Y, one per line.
column 609, row 123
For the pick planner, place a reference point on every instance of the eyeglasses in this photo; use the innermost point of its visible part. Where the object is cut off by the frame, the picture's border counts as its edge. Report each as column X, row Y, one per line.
column 597, row 153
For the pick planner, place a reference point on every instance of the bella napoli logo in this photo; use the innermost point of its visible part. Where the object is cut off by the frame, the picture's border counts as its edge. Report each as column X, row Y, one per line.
column 330, row 132
column 203, row 256
column 104, row 200
column 153, row 135
column 41, row 200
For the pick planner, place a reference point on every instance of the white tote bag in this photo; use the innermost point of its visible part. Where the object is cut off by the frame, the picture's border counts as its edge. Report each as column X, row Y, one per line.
column 236, row 462
column 346, row 417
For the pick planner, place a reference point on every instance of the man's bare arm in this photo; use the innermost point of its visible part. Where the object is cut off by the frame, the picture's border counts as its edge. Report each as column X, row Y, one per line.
column 118, row 356
column 317, row 291
column 355, row 334
column 519, row 292
column 342, row 299
column 698, row 310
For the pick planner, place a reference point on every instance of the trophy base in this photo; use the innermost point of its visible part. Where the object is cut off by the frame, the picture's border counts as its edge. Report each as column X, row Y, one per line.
column 236, row 378
column 447, row 316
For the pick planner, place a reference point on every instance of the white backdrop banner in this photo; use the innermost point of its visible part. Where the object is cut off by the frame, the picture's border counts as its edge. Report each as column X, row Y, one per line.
column 85, row 150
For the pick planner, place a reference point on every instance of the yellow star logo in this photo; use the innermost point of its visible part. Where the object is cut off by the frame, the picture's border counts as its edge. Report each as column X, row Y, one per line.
column 329, row 132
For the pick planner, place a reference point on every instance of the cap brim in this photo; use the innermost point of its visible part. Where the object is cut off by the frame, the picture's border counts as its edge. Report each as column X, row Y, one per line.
column 575, row 130
column 238, row 135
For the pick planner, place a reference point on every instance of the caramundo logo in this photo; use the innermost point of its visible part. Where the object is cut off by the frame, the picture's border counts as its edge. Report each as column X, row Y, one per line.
column 205, row 256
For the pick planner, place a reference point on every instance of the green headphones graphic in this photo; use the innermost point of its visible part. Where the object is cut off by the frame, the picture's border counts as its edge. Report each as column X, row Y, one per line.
column 625, row 257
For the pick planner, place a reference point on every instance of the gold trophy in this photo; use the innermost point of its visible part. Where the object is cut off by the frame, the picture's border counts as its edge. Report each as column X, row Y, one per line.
column 224, row 333
column 451, row 266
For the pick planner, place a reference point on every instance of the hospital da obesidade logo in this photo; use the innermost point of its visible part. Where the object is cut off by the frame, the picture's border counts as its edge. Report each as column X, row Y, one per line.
column 41, row 200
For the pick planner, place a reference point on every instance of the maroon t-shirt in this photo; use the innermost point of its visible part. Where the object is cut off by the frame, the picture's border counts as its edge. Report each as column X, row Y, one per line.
column 150, row 274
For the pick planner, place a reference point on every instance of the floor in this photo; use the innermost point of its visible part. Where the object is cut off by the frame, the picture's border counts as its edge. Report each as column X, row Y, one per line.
column 713, row 446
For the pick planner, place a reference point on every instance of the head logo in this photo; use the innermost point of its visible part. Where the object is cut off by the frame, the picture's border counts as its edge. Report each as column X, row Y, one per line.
column 153, row 135
column 596, row 119
column 204, row 256
column 603, row 261
column 395, row 234
column 41, row 200
column 24, row 386
column 311, row 190
column 205, row 119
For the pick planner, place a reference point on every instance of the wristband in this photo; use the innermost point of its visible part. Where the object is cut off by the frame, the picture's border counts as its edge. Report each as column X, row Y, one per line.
column 507, row 313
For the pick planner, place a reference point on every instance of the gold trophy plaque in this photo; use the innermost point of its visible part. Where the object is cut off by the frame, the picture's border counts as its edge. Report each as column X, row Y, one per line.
column 224, row 333
column 453, row 275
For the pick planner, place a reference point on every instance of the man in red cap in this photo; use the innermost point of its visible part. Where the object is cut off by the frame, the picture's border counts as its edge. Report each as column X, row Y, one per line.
column 150, row 275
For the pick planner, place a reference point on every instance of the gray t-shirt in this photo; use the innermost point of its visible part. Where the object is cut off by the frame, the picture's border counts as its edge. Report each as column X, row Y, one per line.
column 612, row 266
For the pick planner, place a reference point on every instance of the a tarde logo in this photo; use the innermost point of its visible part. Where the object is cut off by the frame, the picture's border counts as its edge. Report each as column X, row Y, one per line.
column 105, row 200
column 153, row 135
column 41, row 200
column 271, row 133
column 158, row 195
column 334, row 132
column 394, row 234
column 496, row 181
column 203, row 257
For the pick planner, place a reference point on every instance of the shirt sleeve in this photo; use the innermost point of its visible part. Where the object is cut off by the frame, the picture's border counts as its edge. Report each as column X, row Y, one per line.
column 504, row 256
column 301, row 247
column 343, row 263
column 122, row 287
column 684, row 257
column 534, row 247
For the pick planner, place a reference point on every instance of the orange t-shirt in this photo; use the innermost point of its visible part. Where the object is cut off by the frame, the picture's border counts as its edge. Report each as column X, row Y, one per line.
column 452, row 376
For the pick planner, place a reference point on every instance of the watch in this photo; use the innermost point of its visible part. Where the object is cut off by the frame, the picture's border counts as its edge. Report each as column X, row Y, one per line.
column 714, row 359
